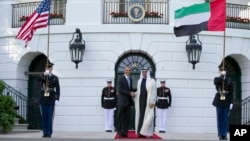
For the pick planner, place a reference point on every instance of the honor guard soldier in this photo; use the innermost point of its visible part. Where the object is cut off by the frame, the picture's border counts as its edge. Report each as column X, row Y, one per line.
column 223, row 101
column 163, row 102
column 108, row 101
column 49, row 93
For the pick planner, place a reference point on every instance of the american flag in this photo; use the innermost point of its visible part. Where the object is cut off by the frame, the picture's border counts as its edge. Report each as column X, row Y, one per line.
column 38, row 19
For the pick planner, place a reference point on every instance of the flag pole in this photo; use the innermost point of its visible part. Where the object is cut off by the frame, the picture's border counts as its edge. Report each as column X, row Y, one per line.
column 47, row 65
column 224, row 38
column 48, row 40
column 48, row 36
column 223, row 56
column 224, row 49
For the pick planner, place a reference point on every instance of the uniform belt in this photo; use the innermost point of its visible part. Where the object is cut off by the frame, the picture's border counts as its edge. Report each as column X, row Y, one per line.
column 162, row 98
column 109, row 98
column 224, row 92
column 50, row 89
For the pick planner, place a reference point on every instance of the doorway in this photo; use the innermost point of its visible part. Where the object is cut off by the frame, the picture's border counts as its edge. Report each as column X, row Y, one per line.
column 36, row 68
column 136, row 61
column 234, row 73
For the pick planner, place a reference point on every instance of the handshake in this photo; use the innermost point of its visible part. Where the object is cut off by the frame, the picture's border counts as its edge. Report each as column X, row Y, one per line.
column 132, row 93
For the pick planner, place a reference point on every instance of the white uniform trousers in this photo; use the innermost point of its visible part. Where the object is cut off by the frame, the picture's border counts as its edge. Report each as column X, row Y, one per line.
column 109, row 119
column 162, row 118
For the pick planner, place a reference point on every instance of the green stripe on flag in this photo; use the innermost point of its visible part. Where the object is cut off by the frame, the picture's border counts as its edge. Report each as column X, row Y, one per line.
column 193, row 9
column 192, row 19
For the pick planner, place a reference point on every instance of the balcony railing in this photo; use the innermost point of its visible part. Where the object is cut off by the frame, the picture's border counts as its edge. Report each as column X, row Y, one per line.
column 238, row 16
column 117, row 11
column 21, row 11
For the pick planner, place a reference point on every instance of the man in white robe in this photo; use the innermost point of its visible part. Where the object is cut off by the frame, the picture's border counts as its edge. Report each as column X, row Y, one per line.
column 145, row 99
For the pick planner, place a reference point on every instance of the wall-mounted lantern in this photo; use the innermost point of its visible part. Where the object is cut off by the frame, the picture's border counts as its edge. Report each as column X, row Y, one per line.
column 193, row 49
column 77, row 47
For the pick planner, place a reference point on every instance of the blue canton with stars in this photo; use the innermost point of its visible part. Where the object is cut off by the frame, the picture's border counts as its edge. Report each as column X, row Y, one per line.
column 44, row 6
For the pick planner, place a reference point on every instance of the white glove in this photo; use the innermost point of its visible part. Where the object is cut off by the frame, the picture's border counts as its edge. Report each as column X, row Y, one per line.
column 46, row 72
column 56, row 102
column 223, row 73
column 231, row 106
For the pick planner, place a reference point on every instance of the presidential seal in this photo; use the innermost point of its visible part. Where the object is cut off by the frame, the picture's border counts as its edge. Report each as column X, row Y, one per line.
column 136, row 12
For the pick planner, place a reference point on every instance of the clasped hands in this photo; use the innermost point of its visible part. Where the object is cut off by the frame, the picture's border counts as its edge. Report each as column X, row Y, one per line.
column 151, row 105
column 132, row 93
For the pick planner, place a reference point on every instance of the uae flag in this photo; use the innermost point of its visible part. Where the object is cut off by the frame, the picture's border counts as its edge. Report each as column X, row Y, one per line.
column 208, row 16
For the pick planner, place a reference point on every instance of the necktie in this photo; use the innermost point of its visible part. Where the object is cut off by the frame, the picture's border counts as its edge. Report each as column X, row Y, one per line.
column 128, row 82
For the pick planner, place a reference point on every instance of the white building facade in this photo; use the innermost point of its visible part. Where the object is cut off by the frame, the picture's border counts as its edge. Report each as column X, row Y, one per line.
column 107, row 45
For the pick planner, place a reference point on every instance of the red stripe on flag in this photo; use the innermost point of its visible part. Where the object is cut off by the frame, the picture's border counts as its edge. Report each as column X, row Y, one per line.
column 34, row 22
column 217, row 21
column 38, row 19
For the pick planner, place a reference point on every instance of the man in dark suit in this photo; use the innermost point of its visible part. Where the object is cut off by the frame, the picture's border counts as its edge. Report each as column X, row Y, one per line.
column 49, row 93
column 124, row 103
column 223, row 101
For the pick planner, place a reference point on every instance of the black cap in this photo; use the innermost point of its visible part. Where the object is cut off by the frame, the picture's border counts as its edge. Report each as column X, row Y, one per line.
column 221, row 67
column 109, row 81
column 50, row 65
column 162, row 81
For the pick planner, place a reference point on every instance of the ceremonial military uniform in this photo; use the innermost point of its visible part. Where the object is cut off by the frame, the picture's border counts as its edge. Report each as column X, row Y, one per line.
column 223, row 102
column 163, row 102
column 49, row 93
column 108, row 101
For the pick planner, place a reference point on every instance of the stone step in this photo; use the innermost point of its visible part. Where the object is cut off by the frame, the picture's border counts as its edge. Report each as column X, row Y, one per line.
column 16, row 121
column 20, row 127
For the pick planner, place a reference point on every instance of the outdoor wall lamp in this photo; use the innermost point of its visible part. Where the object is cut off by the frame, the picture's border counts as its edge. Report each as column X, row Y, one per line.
column 193, row 49
column 77, row 47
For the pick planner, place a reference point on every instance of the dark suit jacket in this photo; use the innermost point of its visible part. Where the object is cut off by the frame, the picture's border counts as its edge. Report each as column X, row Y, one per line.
column 124, row 98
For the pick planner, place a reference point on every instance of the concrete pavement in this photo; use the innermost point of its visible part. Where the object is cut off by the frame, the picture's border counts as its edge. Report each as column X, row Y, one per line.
column 94, row 136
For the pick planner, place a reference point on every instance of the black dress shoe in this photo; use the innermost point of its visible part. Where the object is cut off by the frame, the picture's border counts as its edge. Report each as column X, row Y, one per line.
column 224, row 138
column 125, row 134
column 48, row 136
column 120, row 134
column 44, row 136
column 109, row 130
column 140, row 136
